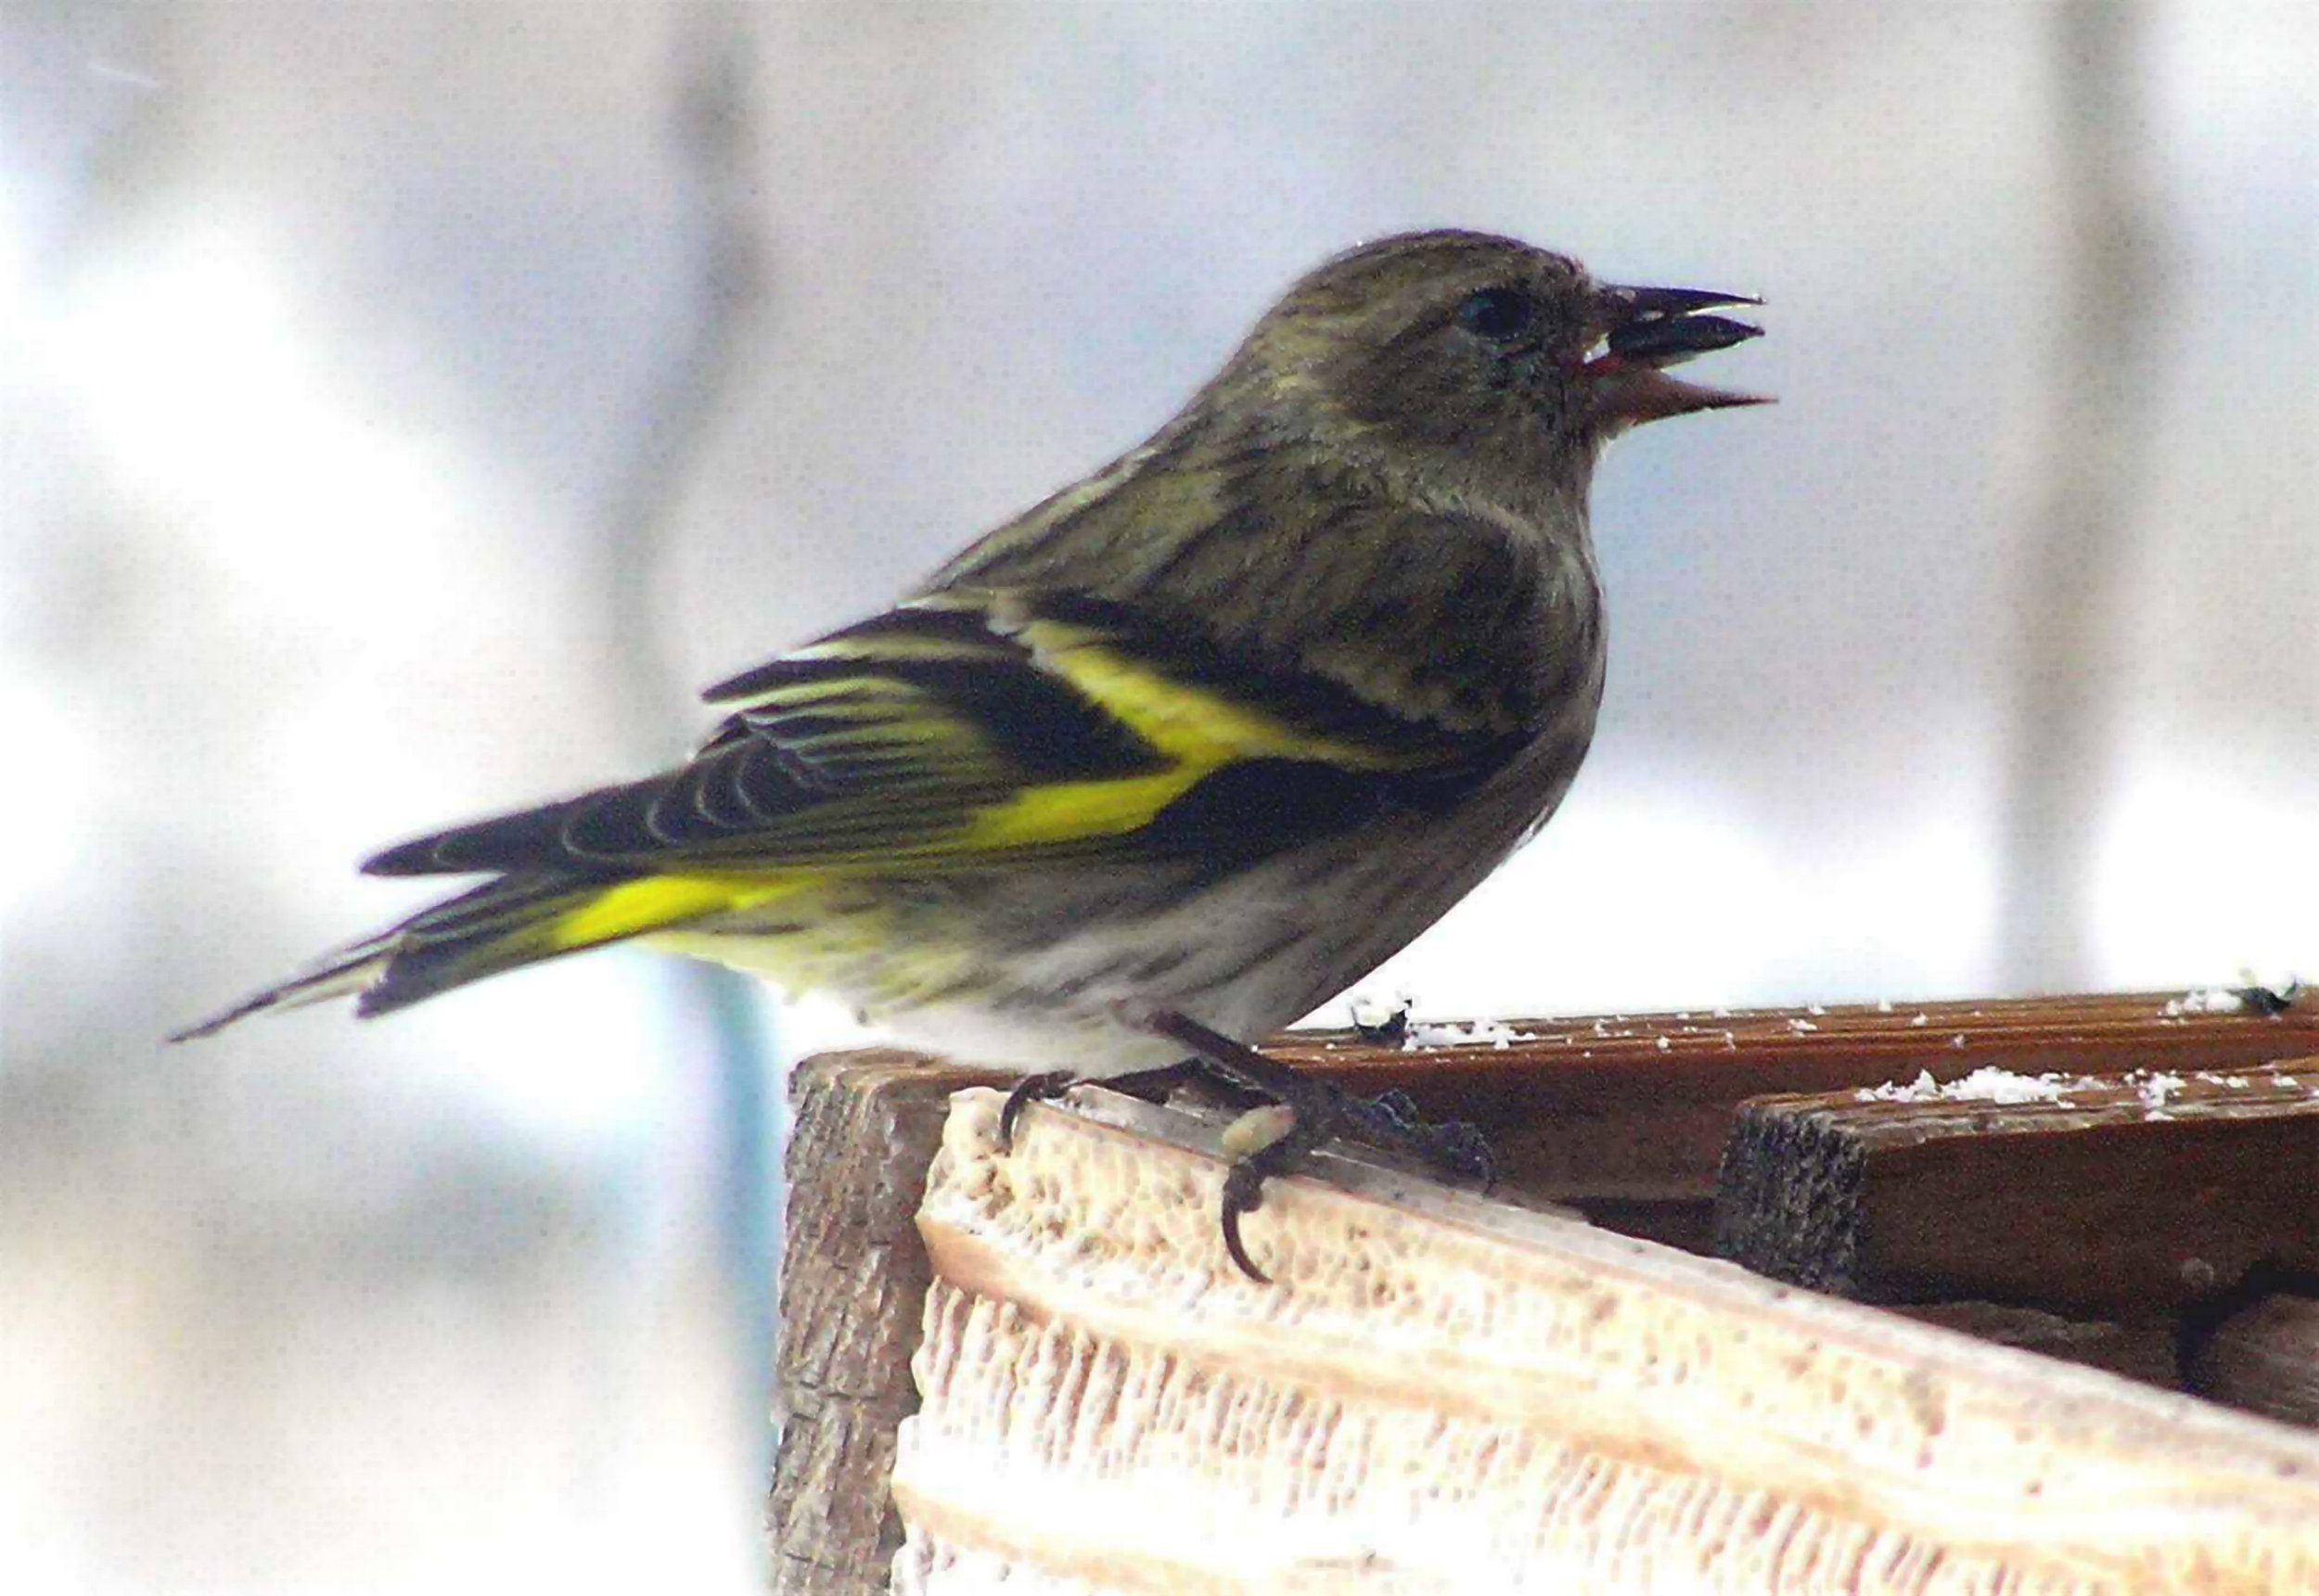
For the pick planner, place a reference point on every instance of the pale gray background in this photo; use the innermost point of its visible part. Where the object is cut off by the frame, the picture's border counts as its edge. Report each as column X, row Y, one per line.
column 405, row 406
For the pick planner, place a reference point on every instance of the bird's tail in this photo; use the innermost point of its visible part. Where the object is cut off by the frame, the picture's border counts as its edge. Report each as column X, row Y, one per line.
column 501, row 924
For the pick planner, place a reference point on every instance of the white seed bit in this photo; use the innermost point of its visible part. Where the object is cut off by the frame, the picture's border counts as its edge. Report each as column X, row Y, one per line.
column 1497, row 1033
column 1987, row 1084
column 1924, row 1088
column 2157, row 1090
column 1991, row 1084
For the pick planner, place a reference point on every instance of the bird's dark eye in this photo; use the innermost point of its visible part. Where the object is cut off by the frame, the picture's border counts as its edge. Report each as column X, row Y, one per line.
column 1499, row 314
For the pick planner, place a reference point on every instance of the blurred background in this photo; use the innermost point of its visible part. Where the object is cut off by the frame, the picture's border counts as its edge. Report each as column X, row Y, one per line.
column 405, row 408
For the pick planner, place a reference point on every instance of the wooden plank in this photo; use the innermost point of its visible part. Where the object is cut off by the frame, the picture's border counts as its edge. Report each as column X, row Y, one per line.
column 1445, row 1393
column 1595, row 1112
column 2086, row 1195
column 2263, row 1357
column 1636, row 1108
column 853, row 1282
column 2143, row 1346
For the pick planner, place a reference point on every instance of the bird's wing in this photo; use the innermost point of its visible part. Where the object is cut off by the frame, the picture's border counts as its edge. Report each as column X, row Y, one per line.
column 977, row 728
column 972, row 730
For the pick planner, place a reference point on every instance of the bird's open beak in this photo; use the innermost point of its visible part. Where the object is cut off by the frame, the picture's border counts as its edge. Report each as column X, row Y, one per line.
column 1646, row 331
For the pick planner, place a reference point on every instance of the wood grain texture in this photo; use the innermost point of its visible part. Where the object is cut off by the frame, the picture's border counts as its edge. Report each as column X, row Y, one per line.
column 1444, row 1393
column 2142, row 1346
column 1624, row 1115
column 1636, row 1107
column 2264, row 1358
column 2118, row 1195
column 853, row 1282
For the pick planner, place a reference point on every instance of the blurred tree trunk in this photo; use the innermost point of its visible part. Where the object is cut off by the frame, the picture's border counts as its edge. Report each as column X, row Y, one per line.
column 2074, row 663
column 714, row 103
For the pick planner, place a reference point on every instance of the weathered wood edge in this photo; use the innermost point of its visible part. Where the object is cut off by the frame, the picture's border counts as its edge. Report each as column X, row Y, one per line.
column 2235, row 1500
column 2263, row 1357
column 853, row 1282
column 2111, row 1197
column 1637, row 1106
column 828, row 1514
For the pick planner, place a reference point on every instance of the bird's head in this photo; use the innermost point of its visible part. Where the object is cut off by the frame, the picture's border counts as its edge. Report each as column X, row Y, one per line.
column 1481, row 347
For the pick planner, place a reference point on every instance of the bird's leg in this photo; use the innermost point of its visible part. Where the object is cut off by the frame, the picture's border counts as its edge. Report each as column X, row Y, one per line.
column 1268, row 1140
column 1156, row 1085
column 1151, row 1085
column 1388, row 1121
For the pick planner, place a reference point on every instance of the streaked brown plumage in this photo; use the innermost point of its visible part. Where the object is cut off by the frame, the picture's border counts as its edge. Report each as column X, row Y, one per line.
column 1210, row 733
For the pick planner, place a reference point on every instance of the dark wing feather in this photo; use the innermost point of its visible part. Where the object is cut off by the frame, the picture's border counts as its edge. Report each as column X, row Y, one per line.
column 882, row 737
column 891, row 742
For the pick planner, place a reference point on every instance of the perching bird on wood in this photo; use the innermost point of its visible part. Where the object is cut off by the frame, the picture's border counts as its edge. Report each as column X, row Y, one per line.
column 1159, row 766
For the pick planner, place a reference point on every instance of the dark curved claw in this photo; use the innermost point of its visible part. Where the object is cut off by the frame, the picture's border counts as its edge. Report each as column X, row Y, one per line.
column 1243, row 1194
column 1044, row 1087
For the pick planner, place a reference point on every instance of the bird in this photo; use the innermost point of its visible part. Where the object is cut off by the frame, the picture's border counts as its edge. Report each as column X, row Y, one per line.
column 1159, row 766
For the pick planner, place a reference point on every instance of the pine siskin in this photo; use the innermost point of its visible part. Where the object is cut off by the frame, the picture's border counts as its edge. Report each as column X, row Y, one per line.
column 1166, row 762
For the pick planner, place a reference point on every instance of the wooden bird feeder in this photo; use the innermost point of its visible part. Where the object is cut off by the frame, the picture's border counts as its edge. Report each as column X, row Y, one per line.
column 2016, row 1296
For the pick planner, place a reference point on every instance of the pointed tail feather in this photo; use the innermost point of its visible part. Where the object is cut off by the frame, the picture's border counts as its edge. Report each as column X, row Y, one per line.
column 500, row 925
column 342, row 974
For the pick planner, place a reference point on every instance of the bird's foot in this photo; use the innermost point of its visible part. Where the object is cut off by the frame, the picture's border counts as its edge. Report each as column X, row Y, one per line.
column 1453, row 1149
column 1301, row 1113
column 1148, row 1085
